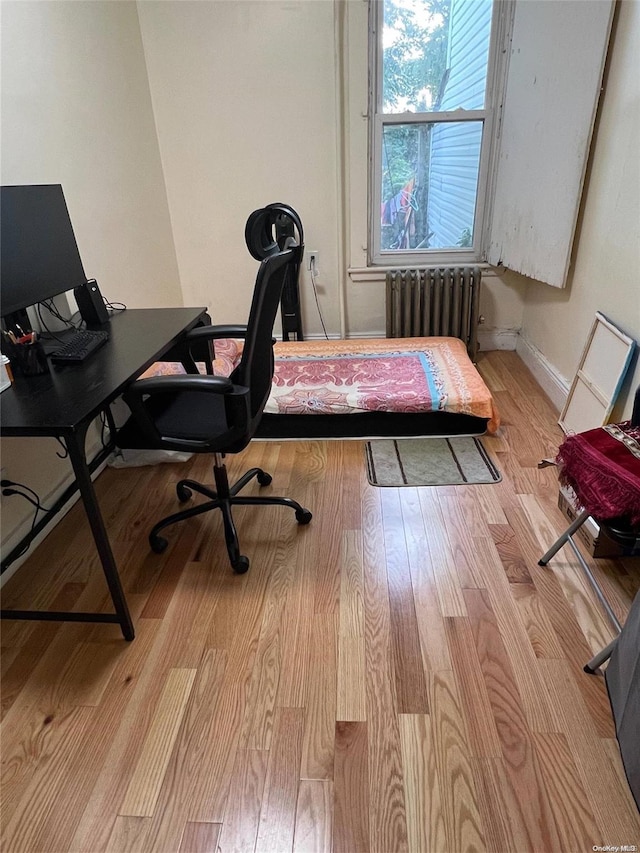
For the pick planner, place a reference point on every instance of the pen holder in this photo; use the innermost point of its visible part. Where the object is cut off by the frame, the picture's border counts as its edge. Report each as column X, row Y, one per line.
column 26, row 359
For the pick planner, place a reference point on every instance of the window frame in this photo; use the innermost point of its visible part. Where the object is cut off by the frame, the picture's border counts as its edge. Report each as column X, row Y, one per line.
column 495, row 82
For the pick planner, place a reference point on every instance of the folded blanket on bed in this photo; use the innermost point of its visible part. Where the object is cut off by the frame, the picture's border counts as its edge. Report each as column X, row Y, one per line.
column 390, row 375
column 367, row 375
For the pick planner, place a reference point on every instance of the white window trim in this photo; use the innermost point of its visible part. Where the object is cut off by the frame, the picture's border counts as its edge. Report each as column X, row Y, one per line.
column 501, row 27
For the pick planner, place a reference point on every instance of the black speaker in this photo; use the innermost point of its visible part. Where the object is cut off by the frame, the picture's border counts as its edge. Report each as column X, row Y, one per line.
column 91, row 304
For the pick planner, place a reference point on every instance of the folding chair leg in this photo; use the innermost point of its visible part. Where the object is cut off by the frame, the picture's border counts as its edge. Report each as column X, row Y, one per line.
column 564, row 539
column 566, row 536
column 597, row 660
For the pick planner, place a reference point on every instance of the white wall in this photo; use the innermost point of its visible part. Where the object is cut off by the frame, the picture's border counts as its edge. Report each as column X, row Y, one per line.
column 76, row 110
column 244, row 95
column 606, row 267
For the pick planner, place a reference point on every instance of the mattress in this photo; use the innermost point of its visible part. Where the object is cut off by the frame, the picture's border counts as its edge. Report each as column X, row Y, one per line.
column 369, row 379
column 401, row 375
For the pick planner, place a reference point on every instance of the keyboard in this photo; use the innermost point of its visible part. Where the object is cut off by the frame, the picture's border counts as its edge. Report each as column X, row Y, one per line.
column 80, row 346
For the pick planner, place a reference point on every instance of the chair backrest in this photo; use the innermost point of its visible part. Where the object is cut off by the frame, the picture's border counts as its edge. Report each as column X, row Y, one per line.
column 278, row 226
column 287, row 225
column 269, row 228
column 255, row 369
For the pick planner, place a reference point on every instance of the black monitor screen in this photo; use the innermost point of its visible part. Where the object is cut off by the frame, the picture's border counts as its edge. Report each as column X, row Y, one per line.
column 39, row 255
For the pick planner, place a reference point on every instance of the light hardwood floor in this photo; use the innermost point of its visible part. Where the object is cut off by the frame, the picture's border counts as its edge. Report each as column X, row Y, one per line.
column 400, row 675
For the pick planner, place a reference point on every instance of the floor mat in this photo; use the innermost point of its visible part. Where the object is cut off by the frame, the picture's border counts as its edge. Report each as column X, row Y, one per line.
column 429, row 462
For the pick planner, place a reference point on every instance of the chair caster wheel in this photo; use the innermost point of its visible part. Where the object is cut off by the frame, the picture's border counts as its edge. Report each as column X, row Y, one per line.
column 303, row 516
column 158, row 544
column 183, row 493
column 241, row 565
column 263, row 478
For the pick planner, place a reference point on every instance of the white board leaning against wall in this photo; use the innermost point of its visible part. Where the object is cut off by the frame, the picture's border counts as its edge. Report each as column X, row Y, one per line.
column 604, row 362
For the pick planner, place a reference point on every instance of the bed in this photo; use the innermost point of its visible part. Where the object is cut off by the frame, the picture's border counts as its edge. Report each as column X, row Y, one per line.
column 368, row 388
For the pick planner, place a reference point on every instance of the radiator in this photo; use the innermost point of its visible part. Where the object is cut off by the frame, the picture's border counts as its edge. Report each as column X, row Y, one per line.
column 437, row 302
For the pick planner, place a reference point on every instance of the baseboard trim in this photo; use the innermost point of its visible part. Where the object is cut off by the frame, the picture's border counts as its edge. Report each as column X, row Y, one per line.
column 350, row 336
column 488, row 339
column 492, row 339
column 552, row 383
column 363, row 336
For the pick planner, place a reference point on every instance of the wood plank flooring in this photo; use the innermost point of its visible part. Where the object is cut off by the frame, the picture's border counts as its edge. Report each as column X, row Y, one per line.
column 400, row 675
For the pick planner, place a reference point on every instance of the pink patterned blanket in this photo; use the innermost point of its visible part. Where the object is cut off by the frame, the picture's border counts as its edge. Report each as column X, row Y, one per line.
column 404, row 381
column 390, row 375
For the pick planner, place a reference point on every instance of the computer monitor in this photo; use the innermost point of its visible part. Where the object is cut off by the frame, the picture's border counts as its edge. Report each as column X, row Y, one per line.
column 39, row 256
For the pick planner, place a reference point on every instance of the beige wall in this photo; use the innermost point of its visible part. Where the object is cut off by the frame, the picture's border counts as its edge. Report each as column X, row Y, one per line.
column 606, row 267
column 244, row 95
column 76, row 110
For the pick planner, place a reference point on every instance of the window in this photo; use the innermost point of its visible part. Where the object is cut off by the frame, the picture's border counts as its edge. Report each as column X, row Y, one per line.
column 430, row 131
column 480, row 119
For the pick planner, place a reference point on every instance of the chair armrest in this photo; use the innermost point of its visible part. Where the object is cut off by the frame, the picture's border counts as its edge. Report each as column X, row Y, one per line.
column 211, row 333
column 180, row 382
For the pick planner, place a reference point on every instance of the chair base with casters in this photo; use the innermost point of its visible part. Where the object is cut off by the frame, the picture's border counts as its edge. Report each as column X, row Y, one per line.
column 223, row 498
column 629, row 539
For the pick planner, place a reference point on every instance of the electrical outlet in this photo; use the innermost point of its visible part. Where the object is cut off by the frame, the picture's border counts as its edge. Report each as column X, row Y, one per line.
column 313, row 261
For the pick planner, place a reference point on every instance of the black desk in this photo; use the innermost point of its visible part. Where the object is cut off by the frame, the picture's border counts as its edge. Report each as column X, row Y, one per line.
column 65, row 401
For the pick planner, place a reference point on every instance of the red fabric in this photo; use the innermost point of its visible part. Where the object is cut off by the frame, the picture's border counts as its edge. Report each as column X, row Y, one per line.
column 602, row 466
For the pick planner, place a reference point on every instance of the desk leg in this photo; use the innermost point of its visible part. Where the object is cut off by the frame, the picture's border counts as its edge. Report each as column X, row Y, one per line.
column 110, row 423
column 75, row 445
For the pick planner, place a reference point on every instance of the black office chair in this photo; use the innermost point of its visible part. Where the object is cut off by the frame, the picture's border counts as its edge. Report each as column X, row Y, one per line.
column 270, row 228
column 213, row 414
